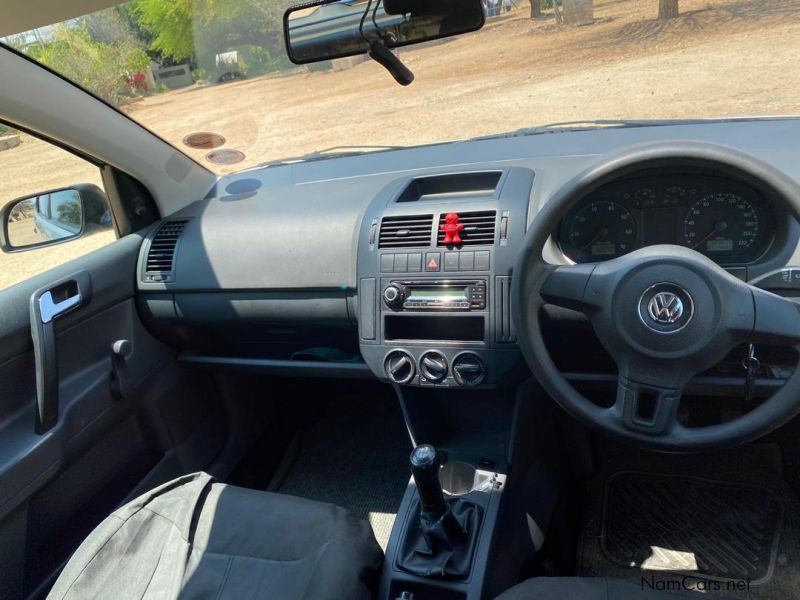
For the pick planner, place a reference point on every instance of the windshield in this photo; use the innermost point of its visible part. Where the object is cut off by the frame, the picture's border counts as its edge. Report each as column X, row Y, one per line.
column 212, row 76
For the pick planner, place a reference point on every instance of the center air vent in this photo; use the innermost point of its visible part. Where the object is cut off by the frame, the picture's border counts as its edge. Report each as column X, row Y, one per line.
column 160, row 266
column 478, row 228
column 406, row 231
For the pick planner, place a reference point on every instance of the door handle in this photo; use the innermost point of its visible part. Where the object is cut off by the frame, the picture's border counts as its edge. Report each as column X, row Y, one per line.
column 49, row 309
column 46, row 306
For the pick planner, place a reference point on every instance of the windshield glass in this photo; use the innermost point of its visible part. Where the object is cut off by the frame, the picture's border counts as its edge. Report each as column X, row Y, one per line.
column 212, row 76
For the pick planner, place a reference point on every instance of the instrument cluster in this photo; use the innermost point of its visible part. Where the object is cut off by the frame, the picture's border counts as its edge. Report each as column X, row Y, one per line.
column 725, row 220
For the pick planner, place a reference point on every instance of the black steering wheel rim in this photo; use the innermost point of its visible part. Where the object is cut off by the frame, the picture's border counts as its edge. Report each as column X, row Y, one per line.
column 531, row 272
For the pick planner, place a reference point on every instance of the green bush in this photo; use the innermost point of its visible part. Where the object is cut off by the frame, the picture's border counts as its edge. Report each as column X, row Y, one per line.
column 103, row 69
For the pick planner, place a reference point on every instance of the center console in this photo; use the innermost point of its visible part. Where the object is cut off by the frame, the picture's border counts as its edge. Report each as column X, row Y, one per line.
column 435, row 256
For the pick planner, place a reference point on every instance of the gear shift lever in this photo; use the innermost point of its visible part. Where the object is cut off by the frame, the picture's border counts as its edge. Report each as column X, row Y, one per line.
column 425, row 465
column 442, row 533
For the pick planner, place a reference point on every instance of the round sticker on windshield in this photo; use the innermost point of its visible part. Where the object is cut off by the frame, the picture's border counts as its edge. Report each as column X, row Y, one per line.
column 225, row 156
column 204, row 140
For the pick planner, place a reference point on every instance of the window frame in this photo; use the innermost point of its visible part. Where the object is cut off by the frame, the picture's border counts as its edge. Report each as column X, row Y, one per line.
column 46, row 213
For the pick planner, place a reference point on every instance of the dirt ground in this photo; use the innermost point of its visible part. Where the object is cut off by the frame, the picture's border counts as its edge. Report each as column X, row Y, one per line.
column 719, row 58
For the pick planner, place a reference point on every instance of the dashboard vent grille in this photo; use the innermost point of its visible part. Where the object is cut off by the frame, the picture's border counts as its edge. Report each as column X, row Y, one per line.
column 478, row 228
column 161, row 254
column 406, row 231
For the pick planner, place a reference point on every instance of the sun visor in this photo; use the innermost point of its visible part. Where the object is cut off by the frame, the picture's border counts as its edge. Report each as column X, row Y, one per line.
column 24, row 15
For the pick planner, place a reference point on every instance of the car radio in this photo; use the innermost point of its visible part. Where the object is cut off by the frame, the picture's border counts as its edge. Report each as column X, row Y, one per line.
column 445, row 294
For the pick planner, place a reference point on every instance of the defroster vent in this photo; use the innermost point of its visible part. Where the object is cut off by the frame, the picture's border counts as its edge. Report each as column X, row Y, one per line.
column 160, row 266
column 406, row 232
column 478, row 228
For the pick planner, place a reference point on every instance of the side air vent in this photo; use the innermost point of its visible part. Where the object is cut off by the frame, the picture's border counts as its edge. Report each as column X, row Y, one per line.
column 478, row 228
column 406, row 231
column 160, row 264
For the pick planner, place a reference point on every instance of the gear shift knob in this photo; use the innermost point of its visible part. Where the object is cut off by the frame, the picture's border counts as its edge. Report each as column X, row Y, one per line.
column 425, row 466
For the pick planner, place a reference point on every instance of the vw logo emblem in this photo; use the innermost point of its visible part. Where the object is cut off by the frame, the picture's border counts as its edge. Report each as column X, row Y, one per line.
column 665, row 308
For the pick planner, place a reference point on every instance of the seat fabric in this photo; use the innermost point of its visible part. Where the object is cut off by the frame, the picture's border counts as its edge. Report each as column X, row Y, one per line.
column 591, row 588
column 194, row 538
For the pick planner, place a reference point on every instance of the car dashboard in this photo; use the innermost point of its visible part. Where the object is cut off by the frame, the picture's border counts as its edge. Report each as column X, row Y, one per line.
column 343, row 268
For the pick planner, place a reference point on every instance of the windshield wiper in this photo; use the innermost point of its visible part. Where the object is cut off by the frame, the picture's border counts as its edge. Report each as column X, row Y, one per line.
column 570, row 126
column 333, row 152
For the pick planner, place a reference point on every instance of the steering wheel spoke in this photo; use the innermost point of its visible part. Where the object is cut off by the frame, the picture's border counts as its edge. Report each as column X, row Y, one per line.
column 777, row 319
column 565, row 285
column 650, row 409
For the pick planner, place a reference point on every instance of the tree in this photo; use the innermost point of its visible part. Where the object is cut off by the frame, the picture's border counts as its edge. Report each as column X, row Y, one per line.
column 108, row 27
column 539, row 6
column 169, row 24
column 101, row 68
column 667, row 9
column 128, row 15
column 184, row 29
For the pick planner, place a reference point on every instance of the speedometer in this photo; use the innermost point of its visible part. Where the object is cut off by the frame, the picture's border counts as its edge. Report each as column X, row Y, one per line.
column 600, row 230
column 722, row 223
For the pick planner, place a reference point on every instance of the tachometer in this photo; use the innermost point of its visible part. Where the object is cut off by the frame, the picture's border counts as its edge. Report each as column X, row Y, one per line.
column 601, row 230
column 721, row 223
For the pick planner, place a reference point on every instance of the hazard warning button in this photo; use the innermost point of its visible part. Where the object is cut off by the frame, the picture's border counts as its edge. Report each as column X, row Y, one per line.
column 433, row 261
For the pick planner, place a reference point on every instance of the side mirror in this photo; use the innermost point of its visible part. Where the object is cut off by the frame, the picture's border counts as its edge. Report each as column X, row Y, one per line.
column 327, row 29
column 54, row 217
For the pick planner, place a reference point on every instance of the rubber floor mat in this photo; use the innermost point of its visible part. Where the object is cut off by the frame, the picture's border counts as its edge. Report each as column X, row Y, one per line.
column 700, row 527
column 726, row 524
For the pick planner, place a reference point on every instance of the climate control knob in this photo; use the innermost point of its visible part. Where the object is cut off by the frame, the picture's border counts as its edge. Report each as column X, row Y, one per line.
column 468, row 369
column 393, row 296
column 399, row 366
column 433, row 366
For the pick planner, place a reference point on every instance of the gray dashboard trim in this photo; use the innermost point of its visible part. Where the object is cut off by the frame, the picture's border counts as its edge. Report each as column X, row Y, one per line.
column 296, row 226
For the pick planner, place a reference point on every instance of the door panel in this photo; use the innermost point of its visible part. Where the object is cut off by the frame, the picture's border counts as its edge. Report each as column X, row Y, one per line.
column 55, row 487
column 83, row 345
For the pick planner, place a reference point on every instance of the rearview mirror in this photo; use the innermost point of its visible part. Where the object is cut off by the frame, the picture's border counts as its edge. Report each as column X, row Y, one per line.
column 329, row 29
column 53, row 217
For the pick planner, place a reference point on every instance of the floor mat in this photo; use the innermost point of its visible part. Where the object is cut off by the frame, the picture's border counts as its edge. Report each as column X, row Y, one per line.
column 355, row 456
column 727, row 521
column 731, row 529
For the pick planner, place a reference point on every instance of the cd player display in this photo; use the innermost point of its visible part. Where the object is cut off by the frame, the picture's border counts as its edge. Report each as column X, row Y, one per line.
column 451, row 294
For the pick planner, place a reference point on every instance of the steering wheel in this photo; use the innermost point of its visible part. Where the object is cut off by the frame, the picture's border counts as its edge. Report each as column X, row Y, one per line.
column 664, row 313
